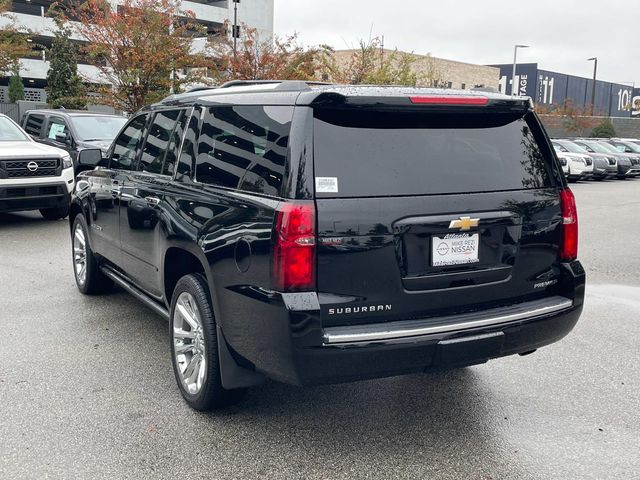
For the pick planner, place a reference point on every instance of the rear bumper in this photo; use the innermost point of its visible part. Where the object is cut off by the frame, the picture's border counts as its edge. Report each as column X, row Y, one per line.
column 33, row 196
column 339, row 363
column 288, row 343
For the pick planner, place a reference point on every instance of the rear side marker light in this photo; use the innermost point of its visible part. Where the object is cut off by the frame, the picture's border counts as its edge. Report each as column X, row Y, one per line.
column 450, row 100
column 569, row 247
column 295, row 247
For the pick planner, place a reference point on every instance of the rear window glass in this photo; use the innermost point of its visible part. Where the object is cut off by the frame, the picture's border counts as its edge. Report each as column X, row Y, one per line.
column 365, row 153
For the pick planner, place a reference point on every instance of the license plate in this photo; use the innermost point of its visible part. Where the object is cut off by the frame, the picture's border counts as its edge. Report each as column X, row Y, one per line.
column 454, row 249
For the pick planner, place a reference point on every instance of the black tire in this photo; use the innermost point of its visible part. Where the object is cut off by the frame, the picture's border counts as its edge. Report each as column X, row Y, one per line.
column 94, row 281
column 211, row 394
column 55, row 213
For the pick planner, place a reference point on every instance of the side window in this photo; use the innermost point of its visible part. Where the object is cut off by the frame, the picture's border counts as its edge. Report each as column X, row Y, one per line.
column 560, row 147
column 244, row 147
column 159, row 138
column 189, row 147
column 33, row 125
column 127, row 144
column 174, row 144
column 620, row 147
column 56, row 126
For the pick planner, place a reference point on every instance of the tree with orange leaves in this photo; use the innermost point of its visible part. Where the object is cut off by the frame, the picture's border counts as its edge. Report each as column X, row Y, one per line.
column 258, row 58
column 13, row 43
column 138, row 48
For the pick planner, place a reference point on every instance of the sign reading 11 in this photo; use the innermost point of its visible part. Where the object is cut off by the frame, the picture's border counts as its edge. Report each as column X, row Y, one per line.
column 545, row 92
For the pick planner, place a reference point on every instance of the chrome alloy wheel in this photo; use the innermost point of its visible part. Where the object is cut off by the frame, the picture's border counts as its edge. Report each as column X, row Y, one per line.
column 80, row 254
column 188, row 343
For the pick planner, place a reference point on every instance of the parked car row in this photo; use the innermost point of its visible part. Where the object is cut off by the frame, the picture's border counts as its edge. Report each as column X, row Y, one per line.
column 39, row 161
column 33, row 176
column 598, row 158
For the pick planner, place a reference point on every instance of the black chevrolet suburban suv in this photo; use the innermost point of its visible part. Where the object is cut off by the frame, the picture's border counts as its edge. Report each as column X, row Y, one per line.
column 314, row 233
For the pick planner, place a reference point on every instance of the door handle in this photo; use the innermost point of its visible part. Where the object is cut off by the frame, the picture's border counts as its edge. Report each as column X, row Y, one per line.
column 152, row 201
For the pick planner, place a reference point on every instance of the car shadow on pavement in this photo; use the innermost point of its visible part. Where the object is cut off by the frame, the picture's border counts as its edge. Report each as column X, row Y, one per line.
column 414, row 421
column 22, row 219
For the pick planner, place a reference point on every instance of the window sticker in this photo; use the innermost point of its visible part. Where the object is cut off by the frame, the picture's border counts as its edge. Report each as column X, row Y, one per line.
column 326, row 184
column 55, row 129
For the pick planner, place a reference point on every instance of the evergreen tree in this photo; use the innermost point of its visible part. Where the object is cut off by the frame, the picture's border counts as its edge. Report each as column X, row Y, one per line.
column 604, row 130
column 16, row 88
column 64, row 88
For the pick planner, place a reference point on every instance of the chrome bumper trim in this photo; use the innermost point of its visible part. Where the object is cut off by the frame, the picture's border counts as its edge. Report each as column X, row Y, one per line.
column 414, row 328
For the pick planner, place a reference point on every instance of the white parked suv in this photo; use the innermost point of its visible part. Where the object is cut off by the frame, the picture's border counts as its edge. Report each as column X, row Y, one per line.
column 33, row 176
column 576, row 166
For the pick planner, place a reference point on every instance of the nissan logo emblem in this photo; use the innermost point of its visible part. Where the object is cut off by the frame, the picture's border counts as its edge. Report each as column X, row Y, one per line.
column 32, row 166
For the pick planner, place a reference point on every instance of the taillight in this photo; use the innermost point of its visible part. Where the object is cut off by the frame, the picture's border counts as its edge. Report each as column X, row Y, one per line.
column 569, row 248
column 295, row 247
column 450, row 100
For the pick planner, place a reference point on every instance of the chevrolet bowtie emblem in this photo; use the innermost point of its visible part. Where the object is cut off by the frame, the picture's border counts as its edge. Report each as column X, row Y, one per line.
column 464, row 223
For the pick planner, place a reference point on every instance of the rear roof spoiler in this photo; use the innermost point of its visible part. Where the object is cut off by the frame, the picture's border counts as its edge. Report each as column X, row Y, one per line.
column 417, row 101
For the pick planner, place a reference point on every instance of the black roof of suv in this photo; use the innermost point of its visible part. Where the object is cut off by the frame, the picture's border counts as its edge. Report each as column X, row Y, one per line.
column 325, row 233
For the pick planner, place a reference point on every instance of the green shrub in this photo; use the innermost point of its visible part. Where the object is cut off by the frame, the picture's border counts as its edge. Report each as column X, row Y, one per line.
column 604, row 130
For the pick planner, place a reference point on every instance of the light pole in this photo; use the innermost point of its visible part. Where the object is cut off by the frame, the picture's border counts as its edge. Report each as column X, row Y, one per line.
column 235, row 27
column 513, row 76
column 593, row 87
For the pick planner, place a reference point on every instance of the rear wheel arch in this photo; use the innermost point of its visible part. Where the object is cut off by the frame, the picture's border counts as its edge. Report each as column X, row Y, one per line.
column 178, row 262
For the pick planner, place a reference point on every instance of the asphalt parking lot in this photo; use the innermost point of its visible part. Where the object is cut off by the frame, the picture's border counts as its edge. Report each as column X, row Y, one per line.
column 87, row 390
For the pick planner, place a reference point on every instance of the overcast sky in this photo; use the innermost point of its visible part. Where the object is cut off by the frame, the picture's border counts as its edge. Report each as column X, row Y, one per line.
column 562, row 33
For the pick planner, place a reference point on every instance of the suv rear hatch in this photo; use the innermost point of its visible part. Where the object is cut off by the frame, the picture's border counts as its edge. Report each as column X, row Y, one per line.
column 432, row 210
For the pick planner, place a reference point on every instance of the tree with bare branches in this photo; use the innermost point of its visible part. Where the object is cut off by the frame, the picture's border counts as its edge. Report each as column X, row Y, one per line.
column 369, row 64
column 258, row 58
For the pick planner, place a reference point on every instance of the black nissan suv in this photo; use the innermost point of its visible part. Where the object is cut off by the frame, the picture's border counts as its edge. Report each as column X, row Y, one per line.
column 314, row 234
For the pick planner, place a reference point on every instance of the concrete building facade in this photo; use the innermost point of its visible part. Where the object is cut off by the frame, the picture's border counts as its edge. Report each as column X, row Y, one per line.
column 31, row 16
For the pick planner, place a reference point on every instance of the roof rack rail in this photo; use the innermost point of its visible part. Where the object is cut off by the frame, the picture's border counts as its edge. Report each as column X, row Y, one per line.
column 287, row 85
column 201, row 89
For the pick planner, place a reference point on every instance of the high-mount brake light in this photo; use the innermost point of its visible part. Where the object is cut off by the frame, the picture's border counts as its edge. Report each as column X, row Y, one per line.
column 295, row 247
column 569, row 247
column 450, row 100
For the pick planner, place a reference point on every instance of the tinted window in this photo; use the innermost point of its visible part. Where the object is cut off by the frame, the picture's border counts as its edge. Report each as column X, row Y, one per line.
column 244, row 147
column 403, row 153
column 33, row 125
column 127, row 144
column 157, row 142
column 174, row 144
column 189, row 146
column 56, row 126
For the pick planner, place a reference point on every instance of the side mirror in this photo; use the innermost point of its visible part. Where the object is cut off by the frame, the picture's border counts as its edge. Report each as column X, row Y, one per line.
column 62, row 137
column 91, row 157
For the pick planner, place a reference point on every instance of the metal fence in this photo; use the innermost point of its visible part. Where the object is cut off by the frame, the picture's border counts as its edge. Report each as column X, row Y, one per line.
column 11, row 110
